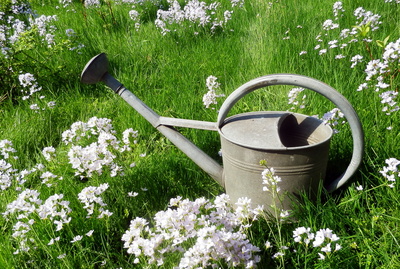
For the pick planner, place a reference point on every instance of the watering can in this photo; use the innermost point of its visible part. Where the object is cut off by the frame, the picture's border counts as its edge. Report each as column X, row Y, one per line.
column 295, row 145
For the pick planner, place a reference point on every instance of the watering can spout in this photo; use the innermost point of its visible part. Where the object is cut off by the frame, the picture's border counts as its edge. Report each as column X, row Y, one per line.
column 96, row 70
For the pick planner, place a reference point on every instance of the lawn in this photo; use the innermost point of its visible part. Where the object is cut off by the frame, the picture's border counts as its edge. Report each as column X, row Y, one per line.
column 87, row 182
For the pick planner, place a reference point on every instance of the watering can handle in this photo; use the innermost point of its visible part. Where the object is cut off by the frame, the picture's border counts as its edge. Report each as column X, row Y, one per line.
column 319, row 87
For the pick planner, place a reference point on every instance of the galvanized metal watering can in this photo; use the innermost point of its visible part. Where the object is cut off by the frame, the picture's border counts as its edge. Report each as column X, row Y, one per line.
column 295, row 145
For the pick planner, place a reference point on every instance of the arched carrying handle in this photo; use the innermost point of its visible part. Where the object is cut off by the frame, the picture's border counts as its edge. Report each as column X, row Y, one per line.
column 312, row 84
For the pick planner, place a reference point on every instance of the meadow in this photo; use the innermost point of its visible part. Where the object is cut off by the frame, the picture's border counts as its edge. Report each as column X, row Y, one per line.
column 86, row 182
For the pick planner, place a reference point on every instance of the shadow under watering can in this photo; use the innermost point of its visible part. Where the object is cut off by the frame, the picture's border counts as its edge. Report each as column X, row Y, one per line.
column 295, row 145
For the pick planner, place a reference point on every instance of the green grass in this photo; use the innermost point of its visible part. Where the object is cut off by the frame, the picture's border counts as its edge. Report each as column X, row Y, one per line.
column 168, row 73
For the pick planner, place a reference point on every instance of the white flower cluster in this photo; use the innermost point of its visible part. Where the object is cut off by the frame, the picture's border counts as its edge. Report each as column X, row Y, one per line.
column 21, row 7
column 322, row 238
column 337, row 8
column 329, row 25
column 25, row 204
column 378, row 71
column 210, row 97
column 90, row 197
column 56, row 210
column 28, row 81
column 6, row 147
column 366, row 17
column 91, row 3
column 196, row 13
column 379, row 75
column 293, row 98
column 13, row 29
column 135, row 16
column 333, row 117
column 49, row 153
column 391, row 172
column 270, row 180
column 28, row 204
column 346, row 36
column 355, row 60
column 65, row 3
column 45, row 29
column 214, row 231
column 48, row 178
column 7, row 172
column 16, row 34
column 31, row 86
column 389, row 99
column 100, row 154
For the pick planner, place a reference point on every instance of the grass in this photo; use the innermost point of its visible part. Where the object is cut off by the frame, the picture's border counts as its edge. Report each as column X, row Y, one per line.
column 168, row 73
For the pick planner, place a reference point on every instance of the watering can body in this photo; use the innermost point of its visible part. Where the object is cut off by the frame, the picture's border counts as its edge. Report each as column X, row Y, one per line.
column 295, row 145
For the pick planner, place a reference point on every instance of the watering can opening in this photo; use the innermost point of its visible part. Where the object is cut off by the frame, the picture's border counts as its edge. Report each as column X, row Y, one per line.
column 297, row 130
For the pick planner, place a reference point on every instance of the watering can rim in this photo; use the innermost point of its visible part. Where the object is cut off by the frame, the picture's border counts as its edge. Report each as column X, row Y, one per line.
column 285, row 148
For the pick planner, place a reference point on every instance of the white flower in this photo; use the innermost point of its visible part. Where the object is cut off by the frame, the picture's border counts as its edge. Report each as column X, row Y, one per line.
column 127, row 134
column 360, row 188
column 329, row 25
column 77, row 238
column 34, row 107
column 333, row 44
column 90, row 197
column 51, row 104
column 89, row 3
column 293, row 96
column 391, row 171
column 27, row 80
column 133, row 194
column 134, row 15
column 270, row 180
column 355, row 60
column 362, row 86
column 55, row 209
column 104, row 213
column 6, row 147
column 53, row 240
column 89, row 233
column 337, row 7
column 210, row 97
column 327, row 248
column 322, row 51
column 277, row 255
column 284, row 214
column 70, row 32
column 48, row 153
